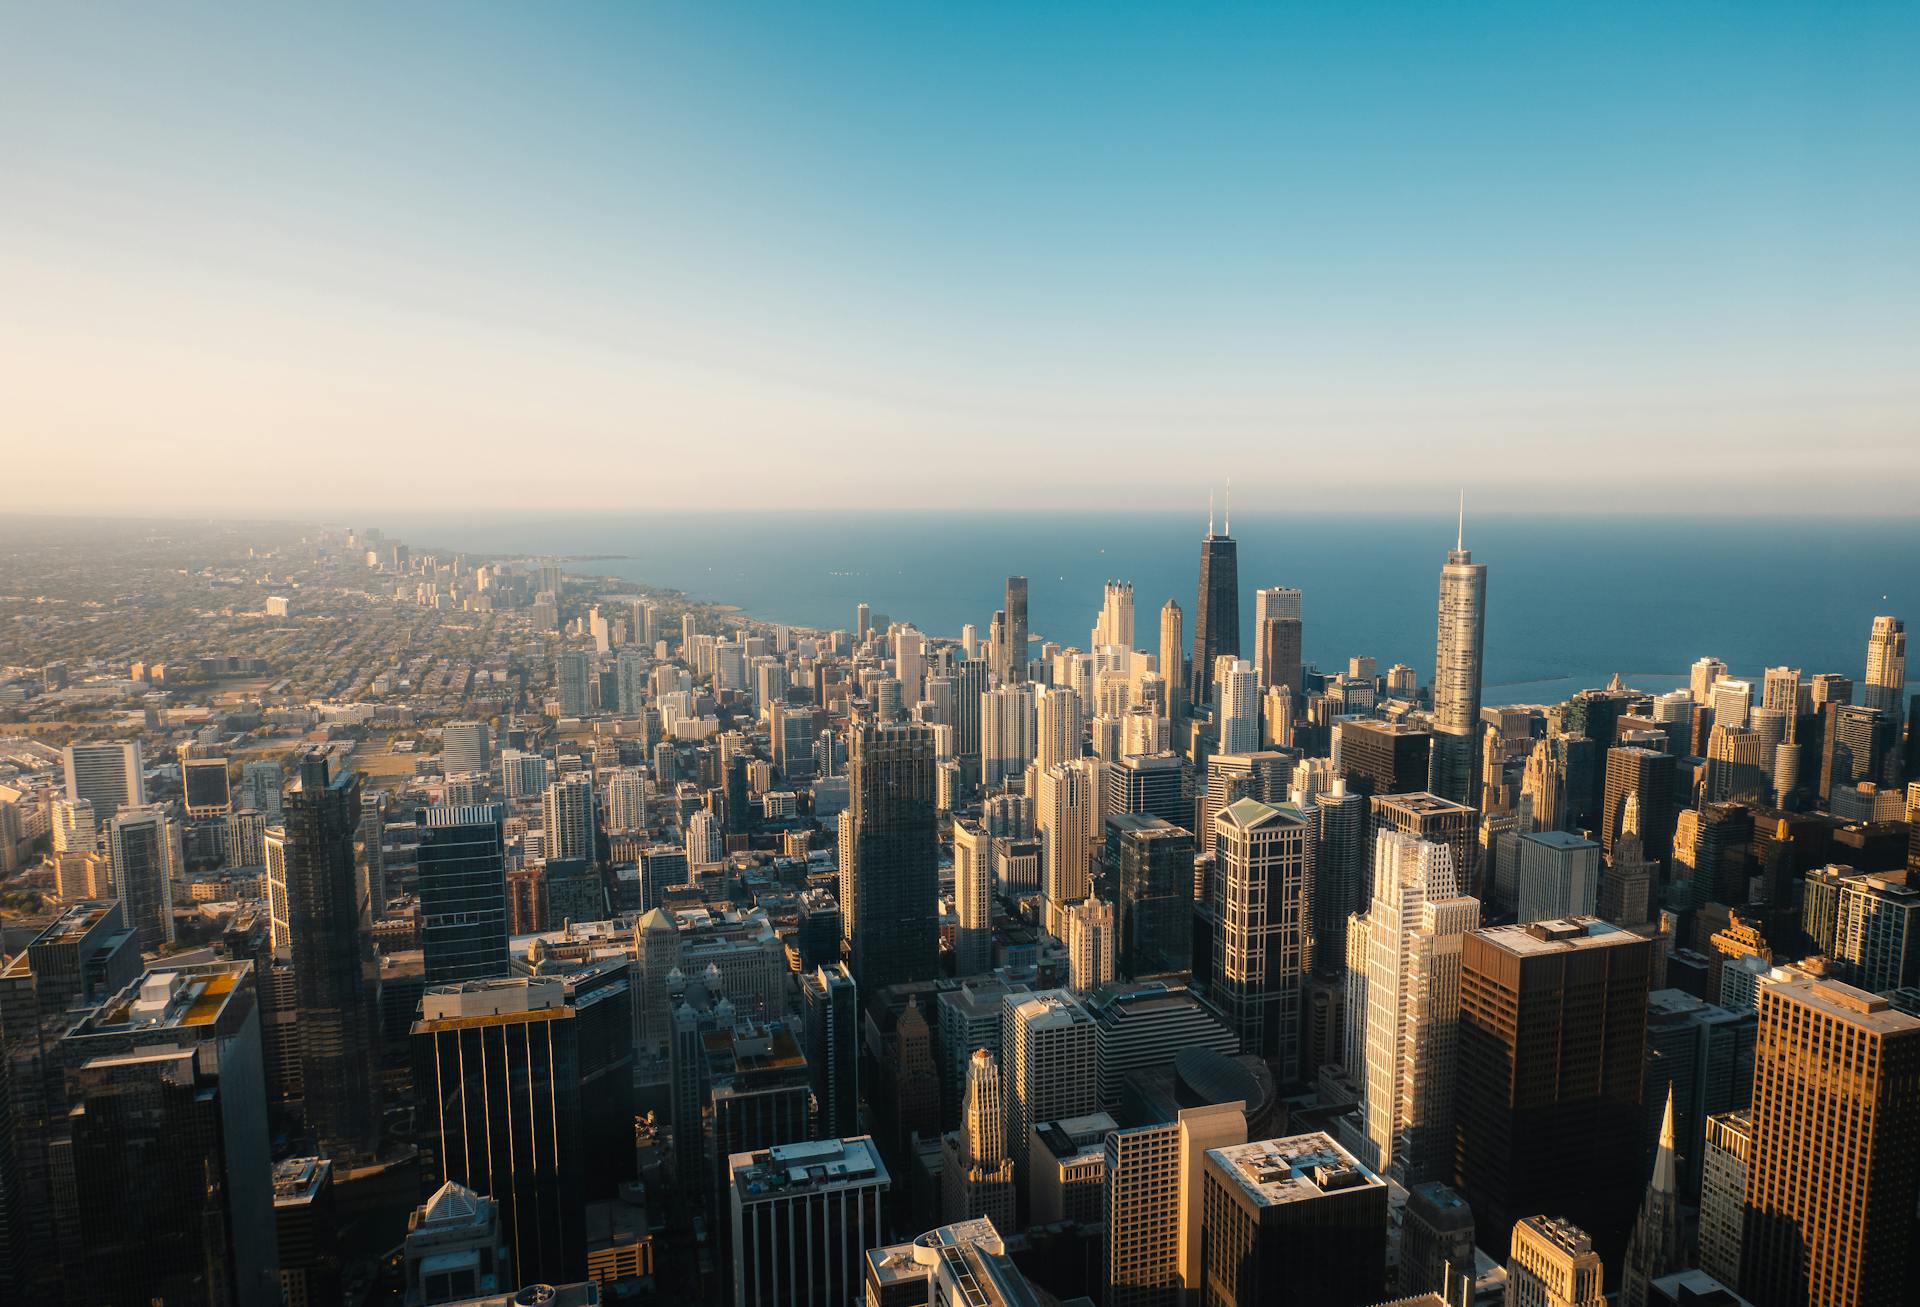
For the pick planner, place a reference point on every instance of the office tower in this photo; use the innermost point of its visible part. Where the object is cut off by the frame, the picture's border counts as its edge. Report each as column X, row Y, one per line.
column 1885, row 686
column 1115, row 626
column 1173, row 658
column 1152, row 1201
column 1144, row 1026
column 1553, row 1264
column 626, row 801
column 463, row 749
column 1731, row 701
column 1648, row 775
column 1238, row 717
column 205, row 791
column 454, row 1251
column 307, row 1231
column 1431, row 818
column 522, row 775
column 1277, row 651
column 169, row 1196
column 370, row 854
column 1006, row 733
column 1414, row 929
column 1836, row 1148
column 1050, row 1064
column 862, row 622
column 1543, row 786
column 803, row 1216
column 1379, row 757
column 1658, row 1243
column 1553, row 1019
column 571, row 674
column 568, row 817
column 1260, row 965
column 1154, row 784
column 1216, row 612
column 1700, row 682
column 972, row 898
column 1556, row 875
column 504, row 1062
column 332, row 960
column 108, row 773
column 1626, row 885
column 1152, row 862
column 1271, row 604
column 1291, row 1220
column 1860, row 744
column 894, row 915
column 1723, row 1193
column 976, row 1173
column 1062, row 810
column 141, row 847
column 1436, row 1239
column 463, row 893
column 830, row 1016
column 1009, row 644
column 1737, row 759
column 1092, row 943
column 1456, row 675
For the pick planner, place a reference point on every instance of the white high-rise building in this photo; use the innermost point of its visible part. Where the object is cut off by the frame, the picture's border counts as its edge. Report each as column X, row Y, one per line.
column 1886, row 685
column 1061, row 804
column 1700, row 682
column 1557, row 875
column 568, row 818
column 909, row 661
column 1050, row 1064
column 626, row 801
column 522, row 775
column 1093, row 946
column 1239, row 707
column 1274, row 601
column 706, row 848
column 1006, row 733
column 1414, row 928
column 1115, row 627
column 108, row 773
column 972, row 899
column 1732, row 700
column 463, row 749
column 75, row 829
column 1059, row 729
column 1456, row 675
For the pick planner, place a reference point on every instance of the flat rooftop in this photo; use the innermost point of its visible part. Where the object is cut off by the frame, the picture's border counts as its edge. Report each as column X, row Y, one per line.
column 818, row 1165
column 75, row 922
column 168, row 1000
column 298, row 1179
column 1857, row 1007
column 1559, row 935
column 1295, row 1169
column 1419, row 804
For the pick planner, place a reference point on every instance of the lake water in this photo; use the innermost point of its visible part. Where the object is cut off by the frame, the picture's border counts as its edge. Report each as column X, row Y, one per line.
column 1571, row 599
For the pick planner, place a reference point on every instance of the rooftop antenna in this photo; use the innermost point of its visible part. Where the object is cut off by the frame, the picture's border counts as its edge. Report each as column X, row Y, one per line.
column 1460, row 540
column 1229, row 530
column 1209, row 512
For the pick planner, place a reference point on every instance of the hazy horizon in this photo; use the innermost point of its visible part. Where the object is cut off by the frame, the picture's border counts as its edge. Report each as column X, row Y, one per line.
column 375, row 261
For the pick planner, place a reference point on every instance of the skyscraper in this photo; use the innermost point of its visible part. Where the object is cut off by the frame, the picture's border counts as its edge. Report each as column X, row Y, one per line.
column 1885, row 687
column 1270, row 604
column 1552, row 1263
column 1835, row 1163
column 568, row 817
column 830, row 1014
column 1153, row 1209
column 1658, row 1243
column 1152, row 862
column 1456, row 675
column 1050, row 1065
column 1414, row 927
column 1260, row 964
column 1237, row 720
column 1115, row 626
column 1011, row 656
column 1062, row 806
column 1173, row 658
column 803, row 1216
column 571, row 673
column 332, row 960
column 463, row 748
column 976, row 1173
column 141, row 848
column 1216, row 612
column 107, row 772
column 1553, row 1021
column 463, row 893
column 895, row 916
column 1291, row 1220
column 1006, row 733
column 972, row 898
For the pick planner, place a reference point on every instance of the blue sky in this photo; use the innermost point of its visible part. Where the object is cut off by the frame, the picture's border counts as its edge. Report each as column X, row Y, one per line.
column 636, row 256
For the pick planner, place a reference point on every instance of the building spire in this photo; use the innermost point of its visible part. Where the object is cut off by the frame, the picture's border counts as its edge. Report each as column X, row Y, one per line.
column 1209, row 512
column 1665, row 1166
column 1229, row 530
column 1460, row 539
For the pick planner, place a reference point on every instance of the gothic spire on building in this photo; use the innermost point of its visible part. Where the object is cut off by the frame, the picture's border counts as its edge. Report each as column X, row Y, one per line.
column 1658, row 1244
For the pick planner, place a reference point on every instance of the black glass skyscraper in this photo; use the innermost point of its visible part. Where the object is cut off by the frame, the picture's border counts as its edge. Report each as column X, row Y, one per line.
column 1216, row 612
column 1016, row 631
column 332, row 961
column 463, row 893
column 896, row 886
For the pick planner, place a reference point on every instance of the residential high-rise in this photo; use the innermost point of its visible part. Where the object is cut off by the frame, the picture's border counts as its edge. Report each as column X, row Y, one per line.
column 568, row 817
column 1723, row 1193
column 141, row 847
column 463, row 749
column 1552, row 1263
column 972, row 898
column 1414, row 928
column 463, row 893
column 1553, row 1020
column 1237, row 719
column 830, row 1016
column 1291, row 1220
column 1216, row 612
column 109, row 773
column 894, row 915
column 1153, row 1204
column 571, row 674
column 1173, row 658
column 1050, row 1063
column 1885, row 686
column 803, row 1216
column 1835, row 1165
column 169, row 1168
column 1063, row 803
column 1456, row 675
column 1006, row 733
column 1264, row 913
column 1058, row 728
column 1152, row 865
column 332, row 957
column 976, row 1173
column 1658, row 1243
column 1092, row 943
column 626, row 801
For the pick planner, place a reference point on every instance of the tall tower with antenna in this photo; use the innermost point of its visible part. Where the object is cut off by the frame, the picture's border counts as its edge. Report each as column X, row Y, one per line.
column 1216, row 615
column 1456, row 672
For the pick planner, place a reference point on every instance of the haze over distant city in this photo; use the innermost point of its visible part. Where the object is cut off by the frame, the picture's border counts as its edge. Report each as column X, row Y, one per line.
column 1620, row 258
